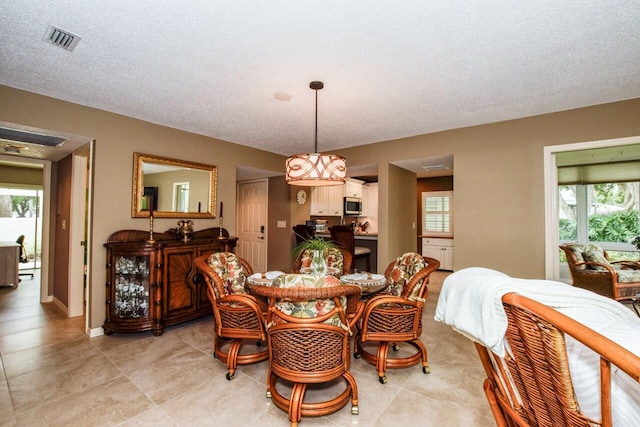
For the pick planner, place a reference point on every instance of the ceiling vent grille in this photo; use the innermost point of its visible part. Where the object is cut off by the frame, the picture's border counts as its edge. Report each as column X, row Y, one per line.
column 15, row 135
column 61, row 38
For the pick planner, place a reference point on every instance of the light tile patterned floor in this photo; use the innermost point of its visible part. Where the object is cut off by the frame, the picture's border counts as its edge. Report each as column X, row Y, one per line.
column 52, row 374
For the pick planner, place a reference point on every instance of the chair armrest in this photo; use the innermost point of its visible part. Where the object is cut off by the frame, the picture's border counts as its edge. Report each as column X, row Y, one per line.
column 609, row 268
column 627, row 265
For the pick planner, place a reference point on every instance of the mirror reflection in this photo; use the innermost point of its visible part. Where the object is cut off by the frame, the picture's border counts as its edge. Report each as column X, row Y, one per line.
column 172, row 188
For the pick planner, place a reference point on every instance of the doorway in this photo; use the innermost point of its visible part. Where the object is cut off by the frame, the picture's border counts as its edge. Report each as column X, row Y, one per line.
column 552, row 239
column 251, row 219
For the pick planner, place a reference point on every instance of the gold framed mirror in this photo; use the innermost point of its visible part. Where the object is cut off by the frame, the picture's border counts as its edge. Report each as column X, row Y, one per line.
column 175, row 188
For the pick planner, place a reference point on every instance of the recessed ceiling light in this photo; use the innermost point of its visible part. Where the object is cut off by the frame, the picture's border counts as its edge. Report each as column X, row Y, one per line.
column 434, row 167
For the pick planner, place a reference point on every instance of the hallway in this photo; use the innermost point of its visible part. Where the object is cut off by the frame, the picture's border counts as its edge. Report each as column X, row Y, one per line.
column 52, row 374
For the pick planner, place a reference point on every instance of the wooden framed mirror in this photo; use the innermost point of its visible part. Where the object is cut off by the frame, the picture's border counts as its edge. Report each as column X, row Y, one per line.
column 177, row 188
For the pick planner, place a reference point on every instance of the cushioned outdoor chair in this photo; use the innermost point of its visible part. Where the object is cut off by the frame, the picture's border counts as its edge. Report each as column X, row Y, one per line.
column 238, row 316
column 591, row 269
column 309, row 322
column 396, row 317
column 338, row 260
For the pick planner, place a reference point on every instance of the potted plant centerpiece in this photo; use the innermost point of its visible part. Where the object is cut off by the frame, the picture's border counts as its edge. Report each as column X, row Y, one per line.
column 316, row 248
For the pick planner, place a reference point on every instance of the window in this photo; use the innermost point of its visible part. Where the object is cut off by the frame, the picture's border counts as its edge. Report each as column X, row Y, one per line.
column 437, row 214
column 607, row 214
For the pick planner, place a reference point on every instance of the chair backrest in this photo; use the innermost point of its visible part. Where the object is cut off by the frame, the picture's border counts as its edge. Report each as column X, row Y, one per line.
column 23, row 250
column 343, row 236
column 303, row 232
column 408, row 275
column 541, row 390
column 310, row 312
column 231, row 273
column 337, row 258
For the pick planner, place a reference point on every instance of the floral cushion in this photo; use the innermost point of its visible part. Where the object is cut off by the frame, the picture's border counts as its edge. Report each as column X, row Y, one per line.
column 626, row 276
column 311, row 308
column 405, row 267
column 594, row 253
column 332, row 256
column 577, row 249
column 229, row 268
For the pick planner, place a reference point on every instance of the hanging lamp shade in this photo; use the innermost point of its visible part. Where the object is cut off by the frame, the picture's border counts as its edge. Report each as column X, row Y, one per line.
column 316, row 169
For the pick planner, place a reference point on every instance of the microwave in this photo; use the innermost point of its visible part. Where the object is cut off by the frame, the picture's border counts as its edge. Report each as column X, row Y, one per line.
column 352, row 206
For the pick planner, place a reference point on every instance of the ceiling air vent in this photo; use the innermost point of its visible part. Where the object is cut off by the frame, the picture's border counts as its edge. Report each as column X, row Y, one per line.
column 15, row 135
column 61, row 38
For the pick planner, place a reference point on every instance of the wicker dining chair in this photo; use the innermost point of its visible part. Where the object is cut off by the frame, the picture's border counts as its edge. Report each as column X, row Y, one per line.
column 395, row 316
column 532, row 385
column 309, row 321
column 338, row 259
column 591, row 269
column 238, row 316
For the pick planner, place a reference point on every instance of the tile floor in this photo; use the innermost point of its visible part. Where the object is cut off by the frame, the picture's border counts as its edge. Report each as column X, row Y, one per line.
column 52, row 374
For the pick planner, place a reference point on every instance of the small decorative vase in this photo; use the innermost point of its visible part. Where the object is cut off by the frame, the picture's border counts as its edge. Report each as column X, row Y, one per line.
column 318, row 263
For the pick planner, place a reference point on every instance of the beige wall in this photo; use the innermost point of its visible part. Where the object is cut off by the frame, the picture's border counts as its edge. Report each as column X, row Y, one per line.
column 499, row 194
column 116, row 139
column 498, row 179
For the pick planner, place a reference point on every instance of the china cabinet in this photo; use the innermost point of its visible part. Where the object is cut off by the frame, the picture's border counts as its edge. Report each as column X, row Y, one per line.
column 152, row 285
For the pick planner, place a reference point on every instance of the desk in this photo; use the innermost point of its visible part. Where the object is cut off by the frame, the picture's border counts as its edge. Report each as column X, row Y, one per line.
column 9, row 258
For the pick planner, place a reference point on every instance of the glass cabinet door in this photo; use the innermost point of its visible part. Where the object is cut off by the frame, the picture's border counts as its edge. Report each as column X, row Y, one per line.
column 131, row 287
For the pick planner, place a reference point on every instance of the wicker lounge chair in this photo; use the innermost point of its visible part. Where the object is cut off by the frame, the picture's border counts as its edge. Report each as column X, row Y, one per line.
column 591, row 269
column 539, row 367
column 554, row 354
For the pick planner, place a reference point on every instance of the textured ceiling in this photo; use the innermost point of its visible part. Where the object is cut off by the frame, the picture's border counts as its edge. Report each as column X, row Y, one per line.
column 240, row 70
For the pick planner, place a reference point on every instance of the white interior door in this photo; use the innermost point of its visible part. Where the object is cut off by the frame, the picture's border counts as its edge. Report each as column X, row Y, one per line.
column 252, row 223
column 77, row 237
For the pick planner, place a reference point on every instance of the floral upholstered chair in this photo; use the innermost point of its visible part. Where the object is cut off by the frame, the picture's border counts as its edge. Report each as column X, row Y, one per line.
column 308, row 327
column 396, row 316
column 237, row 314
column 338, row 261
column 591, row 269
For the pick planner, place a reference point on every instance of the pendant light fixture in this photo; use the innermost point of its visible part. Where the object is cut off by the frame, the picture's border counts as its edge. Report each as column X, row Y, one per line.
column 315, row 169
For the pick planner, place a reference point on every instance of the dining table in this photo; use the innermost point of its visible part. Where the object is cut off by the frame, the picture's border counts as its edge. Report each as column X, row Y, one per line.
column 370, row 284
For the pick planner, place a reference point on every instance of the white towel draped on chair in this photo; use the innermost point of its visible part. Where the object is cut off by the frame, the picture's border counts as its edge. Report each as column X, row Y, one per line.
column 471, row 303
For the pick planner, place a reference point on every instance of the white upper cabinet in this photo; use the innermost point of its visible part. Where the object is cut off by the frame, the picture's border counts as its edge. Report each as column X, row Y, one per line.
column 353, row 188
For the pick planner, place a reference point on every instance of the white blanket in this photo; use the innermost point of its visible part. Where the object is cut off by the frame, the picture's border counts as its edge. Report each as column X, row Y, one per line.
column 471, row 302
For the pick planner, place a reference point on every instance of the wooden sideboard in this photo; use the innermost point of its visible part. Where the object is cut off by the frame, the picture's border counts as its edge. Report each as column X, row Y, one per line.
column 154, row 285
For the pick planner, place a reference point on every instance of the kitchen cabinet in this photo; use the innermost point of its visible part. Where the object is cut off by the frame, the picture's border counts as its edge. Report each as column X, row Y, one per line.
column 440, row 249
column 353, row 188
column 327, row 201
column 154, row 285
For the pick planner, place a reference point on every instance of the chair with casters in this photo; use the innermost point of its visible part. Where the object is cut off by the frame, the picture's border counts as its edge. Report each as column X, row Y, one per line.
column 303, row 232
column 238, row 315
column 338, row 260
column 591, row 269
column 23, row 255
column 395, row 316
column 309, row 320
column 344, row 237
